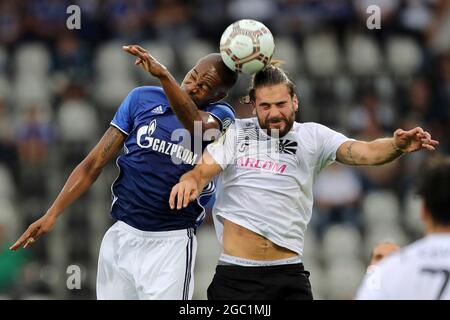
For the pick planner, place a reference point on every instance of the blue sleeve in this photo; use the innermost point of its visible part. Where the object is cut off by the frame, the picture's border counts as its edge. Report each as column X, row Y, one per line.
column 123, row 120
column 224, row 114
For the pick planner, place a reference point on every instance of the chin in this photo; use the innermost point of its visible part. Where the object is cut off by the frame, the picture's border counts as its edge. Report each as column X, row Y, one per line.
column 282, row 131
column 279, row 131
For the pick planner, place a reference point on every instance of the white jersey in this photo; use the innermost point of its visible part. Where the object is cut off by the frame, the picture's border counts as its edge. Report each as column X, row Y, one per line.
column 420, row 271
column 266, row 183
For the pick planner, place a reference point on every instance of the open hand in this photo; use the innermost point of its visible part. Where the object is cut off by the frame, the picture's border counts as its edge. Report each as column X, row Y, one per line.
column 413, row 140
column 34, row 231
column 146, row 60
column 185, row 192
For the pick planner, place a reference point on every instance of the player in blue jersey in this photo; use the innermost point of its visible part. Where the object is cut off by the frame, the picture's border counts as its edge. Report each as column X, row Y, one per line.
column 149, row 252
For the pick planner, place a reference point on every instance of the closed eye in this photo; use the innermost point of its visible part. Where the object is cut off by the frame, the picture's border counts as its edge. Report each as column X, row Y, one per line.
column 194, row 74
column 281, row 104
column 266, row 105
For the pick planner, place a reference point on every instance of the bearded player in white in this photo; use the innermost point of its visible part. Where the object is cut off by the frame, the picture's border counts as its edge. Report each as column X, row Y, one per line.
column 268, row 165
column 421, row 270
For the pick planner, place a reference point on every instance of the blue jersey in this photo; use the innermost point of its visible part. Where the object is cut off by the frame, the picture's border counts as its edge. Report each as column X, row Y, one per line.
column 158, row 151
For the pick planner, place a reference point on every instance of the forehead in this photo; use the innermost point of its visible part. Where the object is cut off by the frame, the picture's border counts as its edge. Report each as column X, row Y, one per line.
column 205, row 67
column 276, row 92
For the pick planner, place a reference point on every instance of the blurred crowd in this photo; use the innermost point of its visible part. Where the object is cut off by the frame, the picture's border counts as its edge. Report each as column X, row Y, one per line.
column 59, row 89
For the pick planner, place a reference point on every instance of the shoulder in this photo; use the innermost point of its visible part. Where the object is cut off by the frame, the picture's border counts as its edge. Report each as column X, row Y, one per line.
column 152, row 93
column 238, row 126
column 220, row 106
column 402, row 259
column 246, row 124
column 412, row 250
column 308, row 129
column 223, row 112
column 311, row 126
column 319, row 131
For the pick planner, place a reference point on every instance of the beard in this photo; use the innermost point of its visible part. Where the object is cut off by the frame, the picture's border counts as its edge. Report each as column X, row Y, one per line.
column 277, row 126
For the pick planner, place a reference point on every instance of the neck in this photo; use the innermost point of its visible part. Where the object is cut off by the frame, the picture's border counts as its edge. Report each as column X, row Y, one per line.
column 433, row 229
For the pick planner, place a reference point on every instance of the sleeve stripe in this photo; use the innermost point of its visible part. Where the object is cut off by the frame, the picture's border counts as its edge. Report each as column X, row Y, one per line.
column 117, row 127
column 217, row 118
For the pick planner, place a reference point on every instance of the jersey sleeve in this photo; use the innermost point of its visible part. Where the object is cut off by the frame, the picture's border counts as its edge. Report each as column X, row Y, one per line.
column 370, row 288
column 377, row 283
column 224, row 114
column 123, row 119
column 328, row 142
column 223, row 149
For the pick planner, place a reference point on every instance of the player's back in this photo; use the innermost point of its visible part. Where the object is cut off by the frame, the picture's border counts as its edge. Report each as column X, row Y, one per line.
column 420, row 271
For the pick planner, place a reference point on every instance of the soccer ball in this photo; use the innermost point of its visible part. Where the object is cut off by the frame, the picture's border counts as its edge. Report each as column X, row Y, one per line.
column 246, row 46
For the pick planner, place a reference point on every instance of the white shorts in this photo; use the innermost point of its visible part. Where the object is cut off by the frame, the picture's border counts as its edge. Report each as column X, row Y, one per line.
column 135, row 264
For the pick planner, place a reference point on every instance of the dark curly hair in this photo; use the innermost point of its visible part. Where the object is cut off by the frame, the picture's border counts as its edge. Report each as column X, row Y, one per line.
column 434, row 187
column 270, row 75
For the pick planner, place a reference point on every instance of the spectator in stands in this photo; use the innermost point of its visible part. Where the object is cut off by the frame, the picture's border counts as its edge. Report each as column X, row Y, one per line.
column 11, row 265
column 34, row 137
column 418, row 104
column 337, row 194
column 11, row 28
column 46, row 18
column 439, row 28
column 371, row 116
column 72, row 58
column 172, row 22
column 77, row 123
column 125, row 18
column 8, row 148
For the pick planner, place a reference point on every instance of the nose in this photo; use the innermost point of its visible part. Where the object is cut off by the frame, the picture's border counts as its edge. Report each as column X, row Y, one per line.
column 274, row 113
column 192, row 88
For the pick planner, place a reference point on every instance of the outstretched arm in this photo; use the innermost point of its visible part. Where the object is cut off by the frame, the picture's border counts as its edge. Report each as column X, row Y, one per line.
column 183, row 106
column 384, row 150
column 193, row 182
column 80, row 180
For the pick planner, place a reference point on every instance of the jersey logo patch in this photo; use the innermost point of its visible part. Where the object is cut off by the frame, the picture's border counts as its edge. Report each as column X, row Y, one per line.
column 144, row 133
column 151, row 128
column 158, row 110
column 225, row 124
column 288, row 146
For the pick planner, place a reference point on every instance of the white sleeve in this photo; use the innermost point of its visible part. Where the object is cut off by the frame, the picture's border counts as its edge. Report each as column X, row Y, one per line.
column 223, row 149
column 328, row 141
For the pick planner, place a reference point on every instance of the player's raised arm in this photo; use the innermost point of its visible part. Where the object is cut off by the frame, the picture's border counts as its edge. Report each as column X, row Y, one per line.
column 201, row 86
column 384, row 150
column 193, row 182
column 80, row 180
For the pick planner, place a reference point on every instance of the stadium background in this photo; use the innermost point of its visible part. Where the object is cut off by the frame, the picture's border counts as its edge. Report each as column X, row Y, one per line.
column 59, row 89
